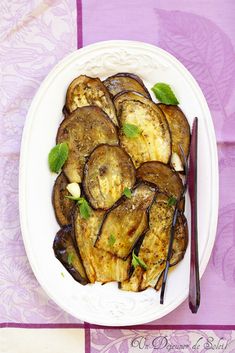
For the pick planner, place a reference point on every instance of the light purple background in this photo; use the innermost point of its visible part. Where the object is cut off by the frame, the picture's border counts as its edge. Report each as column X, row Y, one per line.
column 34, row 37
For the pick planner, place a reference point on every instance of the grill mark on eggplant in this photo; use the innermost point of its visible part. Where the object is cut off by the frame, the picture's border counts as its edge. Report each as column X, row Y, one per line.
column 125, row 82
column 110, row 159
column 63, row 246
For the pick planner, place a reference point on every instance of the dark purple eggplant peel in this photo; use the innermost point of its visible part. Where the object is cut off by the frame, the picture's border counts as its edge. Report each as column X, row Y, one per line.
column 66, row 252
column 125, row 153
column 125, row 82
column 172, row 231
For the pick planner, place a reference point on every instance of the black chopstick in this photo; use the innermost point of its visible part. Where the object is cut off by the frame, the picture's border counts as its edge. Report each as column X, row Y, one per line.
column 172, row 232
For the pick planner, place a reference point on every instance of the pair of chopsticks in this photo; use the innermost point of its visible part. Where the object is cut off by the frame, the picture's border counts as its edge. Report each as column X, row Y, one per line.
column 191, row 182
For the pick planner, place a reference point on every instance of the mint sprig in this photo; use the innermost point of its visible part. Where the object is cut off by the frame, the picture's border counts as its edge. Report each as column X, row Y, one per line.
column 171, row 201
column 131, row 130
column 112, row 240
column 136, row 261
column 164, row 93
column 70, row 258
column 84, row 208
column 57, row 157
column 127, row 193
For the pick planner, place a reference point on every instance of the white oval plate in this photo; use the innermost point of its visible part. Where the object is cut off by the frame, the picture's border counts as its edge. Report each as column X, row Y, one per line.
column 107, row 305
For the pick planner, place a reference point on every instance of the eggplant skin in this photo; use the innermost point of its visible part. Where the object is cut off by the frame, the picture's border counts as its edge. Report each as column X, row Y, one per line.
column 125, row 81
column 84, row 91
column 63, row 206
column 107, row 172
column 154, row 139
column 162, row 176
column 126, row 222
column 180, row 134
column 100, row 265
column 154, row 248
column 64, row 249
column 85, row 128
column 180, row 243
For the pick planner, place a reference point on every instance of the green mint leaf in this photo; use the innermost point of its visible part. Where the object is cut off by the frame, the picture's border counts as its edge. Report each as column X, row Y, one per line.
column 70, row 258
column 112, row 240
column 84, row 208
column 57, row 157
column 136, row 261
column 131, row 130
column 164, row 93
column 72, row 198
column 127, row 193
column 171, row 201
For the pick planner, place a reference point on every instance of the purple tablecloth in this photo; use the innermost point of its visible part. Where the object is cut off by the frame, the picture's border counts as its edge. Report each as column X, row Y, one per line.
column 34, row 37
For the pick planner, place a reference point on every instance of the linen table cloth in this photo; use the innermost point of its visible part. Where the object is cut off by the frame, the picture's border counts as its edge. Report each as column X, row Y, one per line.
column 35, row 35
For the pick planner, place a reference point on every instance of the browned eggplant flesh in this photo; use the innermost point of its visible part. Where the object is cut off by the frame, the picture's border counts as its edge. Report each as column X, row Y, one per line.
column 65, row 251
column 163, row 176
column 108, row 171
column 152, row 141
column 154, row 248
column 180, row 134
column 86, row 128
column 126, row 222
column 84, row 91
column 125, row 82
column 122, row 177
column 63, row 206
column 101, row 266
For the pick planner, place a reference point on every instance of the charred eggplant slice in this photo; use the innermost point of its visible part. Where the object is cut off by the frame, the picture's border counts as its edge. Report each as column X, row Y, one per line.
column 125, row 82
column 108, row 171
column 180, row 240
column 100, row 265
column 153, row 141
column 153, row 250
column 126, row 222
column 63, row 206
column 180, row 134
column 66, row 253
column 85, row 91
column 86, row 128
column 165, row 178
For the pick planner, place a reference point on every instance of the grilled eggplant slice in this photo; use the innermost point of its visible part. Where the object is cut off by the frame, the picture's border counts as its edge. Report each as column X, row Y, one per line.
column 153, row 141
column 100, row 265
column 66, row 253
column 126, row 222
column 165, row 178
column 179, row 246
column 63, row 206
column 85, row 91
column 180, row 134
column 125, row 82
column 108, row 171
column 86, row 128
column 154, row 248
column 180, row 240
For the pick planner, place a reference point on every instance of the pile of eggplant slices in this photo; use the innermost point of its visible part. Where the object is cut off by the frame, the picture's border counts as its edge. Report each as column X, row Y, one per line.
column 127, row 155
